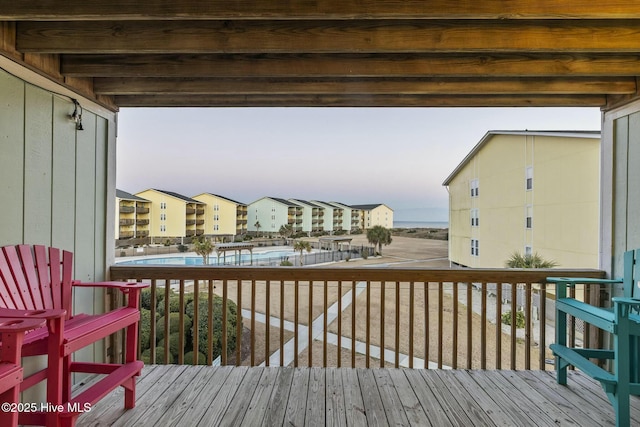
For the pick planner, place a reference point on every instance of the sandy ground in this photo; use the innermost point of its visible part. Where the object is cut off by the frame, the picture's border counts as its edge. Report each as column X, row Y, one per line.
column 433, row 336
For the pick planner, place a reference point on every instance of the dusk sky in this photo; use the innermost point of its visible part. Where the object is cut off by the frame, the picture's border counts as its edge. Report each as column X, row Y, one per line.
column 398, row 157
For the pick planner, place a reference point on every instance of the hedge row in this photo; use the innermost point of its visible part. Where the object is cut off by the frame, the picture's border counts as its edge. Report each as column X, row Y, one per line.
column 204, row 324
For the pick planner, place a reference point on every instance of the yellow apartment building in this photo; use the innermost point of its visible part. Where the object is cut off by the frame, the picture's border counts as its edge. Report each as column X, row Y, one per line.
column 530, row 192
column 223, row 217
column 132, row 216
column 375, row 214
column 173, row 215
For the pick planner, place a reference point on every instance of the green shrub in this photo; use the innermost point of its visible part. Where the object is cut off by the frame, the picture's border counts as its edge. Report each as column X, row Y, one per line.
column 286, row 263
column 204, row 323
column 520, row 320
column 183, row 248
column 203, row 326
column 145, row 298
column 188, row 358
column 145, row 329
column 174, row 346
column 146, row 356
column 174, row 325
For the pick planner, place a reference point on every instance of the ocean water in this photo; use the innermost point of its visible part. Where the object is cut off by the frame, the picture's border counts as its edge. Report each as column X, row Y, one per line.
column 420, row 224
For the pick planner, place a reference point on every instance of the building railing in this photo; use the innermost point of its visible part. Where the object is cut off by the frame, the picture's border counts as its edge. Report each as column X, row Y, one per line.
column 392, row 317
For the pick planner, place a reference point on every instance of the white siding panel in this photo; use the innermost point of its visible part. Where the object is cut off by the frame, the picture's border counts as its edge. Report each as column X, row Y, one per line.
column 64, row 176
column 633, row 183
column 37, row 163
column 11, row 158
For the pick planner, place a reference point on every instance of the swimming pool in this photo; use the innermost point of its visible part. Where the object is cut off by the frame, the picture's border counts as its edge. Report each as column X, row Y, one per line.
column 213, row 259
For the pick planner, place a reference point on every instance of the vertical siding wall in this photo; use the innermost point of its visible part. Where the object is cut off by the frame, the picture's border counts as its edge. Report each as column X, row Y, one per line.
column 55, row 182
column 626, row 186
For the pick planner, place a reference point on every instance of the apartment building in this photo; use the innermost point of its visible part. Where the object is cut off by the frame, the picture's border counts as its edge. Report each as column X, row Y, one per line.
column 132, row 216
column 333, row 216
column 312, row 216
column 350, row 217
column 374, row 214
column 268, row 214
column 173, row 215
column 530, row 192
column 224, row 217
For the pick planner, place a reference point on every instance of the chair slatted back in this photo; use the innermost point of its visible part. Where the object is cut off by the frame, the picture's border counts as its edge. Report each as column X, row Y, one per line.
column 632, row 274
column 35, row 278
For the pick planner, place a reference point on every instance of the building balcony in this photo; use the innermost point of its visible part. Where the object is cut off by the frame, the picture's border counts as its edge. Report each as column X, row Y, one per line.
column 127, row 221
column 365, row 318
column 126, row 234
column 142, row 233
column 127, row 209
column 190, row 222
column 190, row 211
column 199, row 221
column 142, row 222
column 142, row 210
column 200, row 211
column 224, row 396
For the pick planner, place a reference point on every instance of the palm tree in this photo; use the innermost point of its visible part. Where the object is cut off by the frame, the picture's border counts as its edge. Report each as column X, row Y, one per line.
column 257, row 226
column 302, row 245
column 203, row 247
column 378, row 236
column 286, row 231
column 517, row 260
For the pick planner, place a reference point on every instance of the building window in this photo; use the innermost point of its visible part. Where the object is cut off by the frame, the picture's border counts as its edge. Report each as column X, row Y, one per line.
column 529, row 178
column 216, row 207
column 475, row 247
column 528, row 250
column 475, row 217
column 216, row 217
column 163, row 217
column 163, row 228
column 163, row 205
column 216, row 227
column 475, row 187
column 529, row 217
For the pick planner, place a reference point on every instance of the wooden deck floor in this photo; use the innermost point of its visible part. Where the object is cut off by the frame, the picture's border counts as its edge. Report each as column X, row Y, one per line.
column 229, row 396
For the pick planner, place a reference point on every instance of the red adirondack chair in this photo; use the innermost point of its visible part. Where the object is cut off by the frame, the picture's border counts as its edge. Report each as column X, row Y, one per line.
column 39, row 278
column 12, row 335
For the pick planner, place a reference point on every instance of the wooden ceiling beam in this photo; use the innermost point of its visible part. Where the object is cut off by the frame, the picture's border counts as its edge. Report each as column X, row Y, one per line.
column 433, row 86
column 351, row 65
column 286, row 36
column 340, row 100
column 318, row 9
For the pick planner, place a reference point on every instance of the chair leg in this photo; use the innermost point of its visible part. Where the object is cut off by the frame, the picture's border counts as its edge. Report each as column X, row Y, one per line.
column 66, row 379
column 131, row 355
column 561, row 338
column 621, row 407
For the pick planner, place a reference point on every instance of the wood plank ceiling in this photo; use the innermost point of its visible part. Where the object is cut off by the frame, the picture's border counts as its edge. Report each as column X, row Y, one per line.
column 335, row 52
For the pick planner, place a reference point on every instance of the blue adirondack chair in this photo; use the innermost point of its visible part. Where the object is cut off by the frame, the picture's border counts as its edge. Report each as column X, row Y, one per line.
column 622, row 321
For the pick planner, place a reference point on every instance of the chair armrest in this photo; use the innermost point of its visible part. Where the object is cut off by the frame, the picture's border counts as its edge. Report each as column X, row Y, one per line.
column 572, row 281
column 625, row 301
column 123, row 286
column 20, row 324
column 36, row 314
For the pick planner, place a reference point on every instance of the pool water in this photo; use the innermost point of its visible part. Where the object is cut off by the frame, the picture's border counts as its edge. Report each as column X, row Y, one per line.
column 213, row 259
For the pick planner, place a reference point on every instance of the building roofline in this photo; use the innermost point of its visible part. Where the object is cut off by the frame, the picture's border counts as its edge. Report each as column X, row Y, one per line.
column 490, row 134
column 221, row 197
column 175, row 195
column 128, row 196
